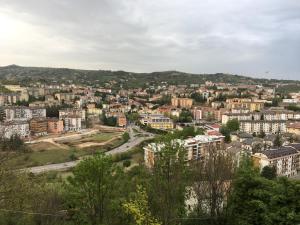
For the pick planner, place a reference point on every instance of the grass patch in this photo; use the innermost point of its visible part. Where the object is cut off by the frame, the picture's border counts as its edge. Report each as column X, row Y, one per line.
column 42, row 146
column 47, row 153
column 98, row 138
column 101, row 137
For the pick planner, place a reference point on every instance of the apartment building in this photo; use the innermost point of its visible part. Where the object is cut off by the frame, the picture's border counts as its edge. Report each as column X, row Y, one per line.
column 196, row 148
column 10, row 128
column 64, row 96
column 157, row 121
column 266, row 126
column 17, row 113
column 293, row 128
column 197, row 114
column 72, row 111
column 207, row 113
column 38, row 126
column 268, row 121
column 121, row 120
column 92, row 110
column 55, row 126
column 22, row 91
column 36, row 92
column 182, row 102
column 9, row 98
column 72, row 122
column 285, row 159
column 243, row 103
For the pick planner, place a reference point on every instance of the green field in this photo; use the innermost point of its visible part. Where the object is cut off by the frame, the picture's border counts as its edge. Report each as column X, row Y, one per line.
column 44, row 153
column 98, row 138
column 102, row 137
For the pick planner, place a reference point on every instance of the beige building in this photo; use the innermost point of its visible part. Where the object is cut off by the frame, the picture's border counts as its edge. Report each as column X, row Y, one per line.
column 266, row 126
column 182, row 102
column 121, row 120
column 196, row 148
column 243, row 103
column 293, row 128
column 92, row 110
column 24, row 96
column 284, row 159
column 157, row 121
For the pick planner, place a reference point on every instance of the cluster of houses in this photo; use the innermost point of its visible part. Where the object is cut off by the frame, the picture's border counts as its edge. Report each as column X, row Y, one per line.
column 164, row 107
column 32, row 121
column 284, row 159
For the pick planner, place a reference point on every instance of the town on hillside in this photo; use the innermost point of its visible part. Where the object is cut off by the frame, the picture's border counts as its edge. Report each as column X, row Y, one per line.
column 257, row 120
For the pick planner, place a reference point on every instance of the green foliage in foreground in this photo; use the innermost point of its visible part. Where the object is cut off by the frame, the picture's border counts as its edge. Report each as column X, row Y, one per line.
column 256, row 200
column 139, row 208
column 99, row 192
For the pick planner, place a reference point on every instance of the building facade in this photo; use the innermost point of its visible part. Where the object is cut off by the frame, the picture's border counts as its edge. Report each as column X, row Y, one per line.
column 182, row 102
column 23, row 113
column 38, row 126
column 284, row 159
column 196, row 148
column 20, row 128
column 55, row 126
column 157, row 121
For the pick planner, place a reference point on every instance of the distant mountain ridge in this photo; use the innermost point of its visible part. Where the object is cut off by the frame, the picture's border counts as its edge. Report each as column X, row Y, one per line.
column 20, row 74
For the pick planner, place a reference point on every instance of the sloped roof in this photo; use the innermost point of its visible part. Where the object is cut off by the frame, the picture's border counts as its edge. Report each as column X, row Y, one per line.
column 280, row 152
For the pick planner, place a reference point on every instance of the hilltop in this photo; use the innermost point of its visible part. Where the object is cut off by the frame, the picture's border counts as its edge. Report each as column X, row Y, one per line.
column 18, row 74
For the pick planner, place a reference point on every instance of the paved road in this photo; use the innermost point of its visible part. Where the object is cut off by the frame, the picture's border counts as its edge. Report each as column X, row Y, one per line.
column 133, row 141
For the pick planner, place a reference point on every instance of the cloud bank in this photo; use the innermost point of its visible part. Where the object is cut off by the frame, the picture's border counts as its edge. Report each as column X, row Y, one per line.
column 248, row 37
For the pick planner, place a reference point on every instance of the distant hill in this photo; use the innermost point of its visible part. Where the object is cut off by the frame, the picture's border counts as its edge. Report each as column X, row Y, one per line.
column 27, row 75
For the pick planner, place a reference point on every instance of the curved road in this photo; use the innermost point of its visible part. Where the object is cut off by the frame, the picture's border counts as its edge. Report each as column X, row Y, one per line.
column 132, row 142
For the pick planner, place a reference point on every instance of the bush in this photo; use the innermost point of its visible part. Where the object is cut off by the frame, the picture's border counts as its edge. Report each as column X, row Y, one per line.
column 51, row 175
column 125, row 137
column 73, row 157
column 126, row 163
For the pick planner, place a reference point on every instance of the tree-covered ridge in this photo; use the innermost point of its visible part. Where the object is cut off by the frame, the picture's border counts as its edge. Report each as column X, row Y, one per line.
column 18, row 74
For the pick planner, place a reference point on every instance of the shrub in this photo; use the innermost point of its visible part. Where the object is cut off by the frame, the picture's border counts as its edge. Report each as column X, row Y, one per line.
column 126, row 163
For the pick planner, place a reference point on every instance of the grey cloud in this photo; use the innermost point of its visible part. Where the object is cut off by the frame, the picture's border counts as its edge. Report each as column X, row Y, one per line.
column 247, row 37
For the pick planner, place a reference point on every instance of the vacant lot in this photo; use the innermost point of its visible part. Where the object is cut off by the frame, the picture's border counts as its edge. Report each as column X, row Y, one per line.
column 44, row 153
column 97, row 139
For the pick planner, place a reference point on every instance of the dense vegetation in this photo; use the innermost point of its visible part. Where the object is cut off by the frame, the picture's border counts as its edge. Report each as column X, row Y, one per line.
column 100, row 191
column 21, row 75
column 229, row 127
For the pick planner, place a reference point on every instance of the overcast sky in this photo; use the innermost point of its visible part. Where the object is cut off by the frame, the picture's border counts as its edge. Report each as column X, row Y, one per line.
column 250, row 37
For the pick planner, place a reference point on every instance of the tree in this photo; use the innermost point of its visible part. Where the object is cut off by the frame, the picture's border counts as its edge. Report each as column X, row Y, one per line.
column 139, row 208
column 90, row 189
column 132, row 116
column 248, row 201
column 269, row 172
column 278, row 141
column 169, row 182
column 185, row 116
column 109, row 121
column 262, row 134
column 211, row 183
column 233, row 125
column 125, row 136
column 198, row 97
column 187, row 132
column 225, row 132
column 255, row 200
